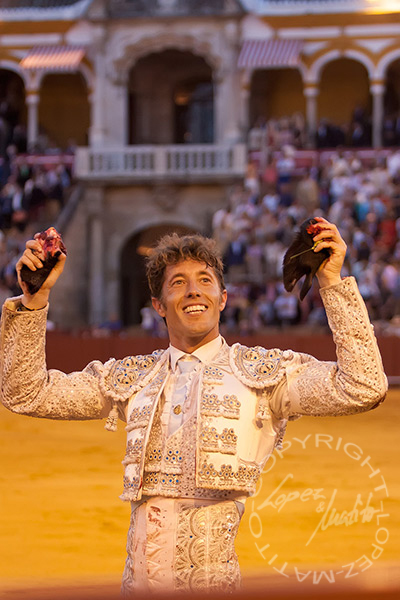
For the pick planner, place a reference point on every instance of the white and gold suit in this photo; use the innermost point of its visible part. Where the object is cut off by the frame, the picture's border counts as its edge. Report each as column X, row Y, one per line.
column 187, row 489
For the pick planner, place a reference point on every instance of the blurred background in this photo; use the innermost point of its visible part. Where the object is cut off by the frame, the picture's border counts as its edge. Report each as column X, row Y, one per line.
column 123, row 120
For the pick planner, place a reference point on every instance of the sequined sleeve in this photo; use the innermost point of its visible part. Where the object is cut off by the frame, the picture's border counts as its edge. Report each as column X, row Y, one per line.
column 356, row 382
column 28, row 388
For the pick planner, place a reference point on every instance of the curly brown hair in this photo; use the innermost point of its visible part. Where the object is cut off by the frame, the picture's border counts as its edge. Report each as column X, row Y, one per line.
column 173, row 248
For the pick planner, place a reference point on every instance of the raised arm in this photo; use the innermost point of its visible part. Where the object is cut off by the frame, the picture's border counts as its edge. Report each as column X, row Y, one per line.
column 356, row 381
column 27, row 387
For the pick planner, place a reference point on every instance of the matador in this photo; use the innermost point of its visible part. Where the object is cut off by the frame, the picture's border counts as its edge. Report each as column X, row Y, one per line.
column 201, row 417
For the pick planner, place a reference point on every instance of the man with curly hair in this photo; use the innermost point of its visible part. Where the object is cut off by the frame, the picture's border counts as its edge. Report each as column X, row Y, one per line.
column 202, row 417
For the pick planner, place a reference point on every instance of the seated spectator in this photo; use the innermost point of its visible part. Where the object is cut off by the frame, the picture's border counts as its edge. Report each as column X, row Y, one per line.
column 364, row 203
column 286, row 307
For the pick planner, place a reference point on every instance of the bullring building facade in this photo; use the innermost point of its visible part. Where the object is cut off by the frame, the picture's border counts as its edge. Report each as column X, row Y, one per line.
column 158, row 97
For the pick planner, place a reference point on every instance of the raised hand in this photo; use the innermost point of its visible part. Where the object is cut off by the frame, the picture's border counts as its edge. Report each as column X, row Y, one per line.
column 329, row 237
column 39, row 267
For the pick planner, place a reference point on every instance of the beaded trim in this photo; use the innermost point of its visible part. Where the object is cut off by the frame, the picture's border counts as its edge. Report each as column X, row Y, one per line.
column 212, row 406
column 130, row 374
column 244, row 478
column 258, row 367
column 211, row 441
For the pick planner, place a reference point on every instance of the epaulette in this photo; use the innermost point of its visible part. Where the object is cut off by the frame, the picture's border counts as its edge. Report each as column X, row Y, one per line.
column 258, row 367
column 130, row 374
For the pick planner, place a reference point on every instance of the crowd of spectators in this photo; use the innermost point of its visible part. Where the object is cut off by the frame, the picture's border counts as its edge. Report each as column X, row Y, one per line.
column 257, row 226
column 274, row 134
column 32, row 195
column 253, row 231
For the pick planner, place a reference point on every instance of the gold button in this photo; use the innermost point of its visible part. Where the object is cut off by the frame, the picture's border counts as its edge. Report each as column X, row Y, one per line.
column 177, row 409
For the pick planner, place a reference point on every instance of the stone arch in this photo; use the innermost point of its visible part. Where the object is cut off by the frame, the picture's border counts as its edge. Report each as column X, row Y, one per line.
column 314, row 72
column 384, row 63
column 171, row 99
column 391, row 103
column 363, row 59
column 10, row 65
column 13, row 92
column 128, row 53
column 64, row 107
column 303, row 70
column 133, row 283
column 348, row 79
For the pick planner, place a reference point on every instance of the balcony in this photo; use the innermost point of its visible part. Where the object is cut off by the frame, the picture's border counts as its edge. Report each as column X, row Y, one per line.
column 310, row 7
column 193, row 163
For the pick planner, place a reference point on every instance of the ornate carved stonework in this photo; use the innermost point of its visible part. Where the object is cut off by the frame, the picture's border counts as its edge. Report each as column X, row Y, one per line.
column 166, row 197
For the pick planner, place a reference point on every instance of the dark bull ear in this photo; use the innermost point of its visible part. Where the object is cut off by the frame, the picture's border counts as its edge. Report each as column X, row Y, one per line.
column 53, row 246
column 300, row 259
column 35, row 279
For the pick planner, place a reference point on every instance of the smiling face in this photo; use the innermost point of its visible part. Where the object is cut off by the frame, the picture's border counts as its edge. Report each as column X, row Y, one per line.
column 191, row 303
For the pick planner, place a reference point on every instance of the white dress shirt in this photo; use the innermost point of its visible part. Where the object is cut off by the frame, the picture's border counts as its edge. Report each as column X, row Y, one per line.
column 180, row 390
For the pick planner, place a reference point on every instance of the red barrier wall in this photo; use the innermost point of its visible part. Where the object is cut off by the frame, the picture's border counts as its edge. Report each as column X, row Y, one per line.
column 71, row 352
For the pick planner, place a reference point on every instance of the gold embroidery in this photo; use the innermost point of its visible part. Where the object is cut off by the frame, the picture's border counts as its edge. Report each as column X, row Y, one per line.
column 131, row 484
column 228, row 440
column 180, row 449
column 134, row 449
column 211, row 441
column 173, row 457
column 213, row 374
column 153, row 457
column 257, row 366
column 244, row 478
column 205, row 551
column 161, row 484
column 125, row 375
column 140, row 416
column 212, row 406
column 231, row 406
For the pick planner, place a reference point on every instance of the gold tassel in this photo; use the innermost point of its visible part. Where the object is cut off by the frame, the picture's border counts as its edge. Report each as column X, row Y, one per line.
column 112, row 419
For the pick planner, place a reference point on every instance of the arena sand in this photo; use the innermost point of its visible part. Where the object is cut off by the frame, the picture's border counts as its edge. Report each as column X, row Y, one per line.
column 61, row 521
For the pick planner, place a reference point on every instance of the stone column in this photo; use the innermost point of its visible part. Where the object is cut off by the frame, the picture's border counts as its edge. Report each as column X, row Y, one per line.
column 96, row 283
column 377, row 89
column 117, row 110
column 245, row 84
column 219, row 105
column 32, row 102
column 227, row 90
column 311, row 93
column 226, row 108
column 97, row 132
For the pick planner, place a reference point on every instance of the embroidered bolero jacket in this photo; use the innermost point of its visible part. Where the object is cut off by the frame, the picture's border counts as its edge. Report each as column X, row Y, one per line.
column 246, row 395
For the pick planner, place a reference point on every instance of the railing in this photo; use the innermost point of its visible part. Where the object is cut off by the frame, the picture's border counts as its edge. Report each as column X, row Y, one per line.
column 145, row 162
column 300, row 7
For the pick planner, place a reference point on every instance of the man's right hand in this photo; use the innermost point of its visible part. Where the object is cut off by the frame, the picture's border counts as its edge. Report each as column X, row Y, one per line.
column 32, row 258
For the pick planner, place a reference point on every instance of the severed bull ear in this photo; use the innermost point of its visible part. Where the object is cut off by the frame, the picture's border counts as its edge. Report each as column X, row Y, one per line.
column 52, row 246
column 300, row 259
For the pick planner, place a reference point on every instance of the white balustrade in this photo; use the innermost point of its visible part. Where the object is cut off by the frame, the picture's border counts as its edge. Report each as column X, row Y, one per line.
column 143, row 162
column 296, row 7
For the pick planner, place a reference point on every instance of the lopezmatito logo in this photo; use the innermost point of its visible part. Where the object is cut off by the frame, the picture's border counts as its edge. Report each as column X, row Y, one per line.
column 297, row 520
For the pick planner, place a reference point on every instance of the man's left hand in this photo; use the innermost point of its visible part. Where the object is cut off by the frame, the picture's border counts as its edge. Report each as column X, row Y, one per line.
column 329, row 237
